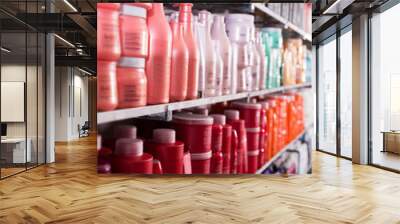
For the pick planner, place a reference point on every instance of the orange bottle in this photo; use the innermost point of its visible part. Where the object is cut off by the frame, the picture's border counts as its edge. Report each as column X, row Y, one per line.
column 185, row 19
column 158, row 62
column 179, row 62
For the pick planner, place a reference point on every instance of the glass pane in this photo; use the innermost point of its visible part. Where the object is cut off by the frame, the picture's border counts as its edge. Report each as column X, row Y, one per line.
column 13, row 86
column 41, row 99
column 327, row 97
column 346, row 93
column 386, row 89
column 31, row 97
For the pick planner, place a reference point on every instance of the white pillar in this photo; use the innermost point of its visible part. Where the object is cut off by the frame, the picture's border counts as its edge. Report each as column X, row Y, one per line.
column 360, row 90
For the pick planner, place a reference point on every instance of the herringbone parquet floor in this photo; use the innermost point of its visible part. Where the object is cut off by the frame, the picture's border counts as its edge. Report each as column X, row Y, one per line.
column 70, row 191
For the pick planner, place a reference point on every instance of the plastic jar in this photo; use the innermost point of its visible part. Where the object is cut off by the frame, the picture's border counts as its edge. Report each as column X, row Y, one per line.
column 195, row 131
column 253, row 141
column 168, row 150
column 106, row 85
column 249, row 112
column 133, row 30
column 132, row 83
column 108, row 39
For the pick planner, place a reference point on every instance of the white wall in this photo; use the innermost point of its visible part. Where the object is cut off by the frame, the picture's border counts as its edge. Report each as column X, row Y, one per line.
column 70, row 83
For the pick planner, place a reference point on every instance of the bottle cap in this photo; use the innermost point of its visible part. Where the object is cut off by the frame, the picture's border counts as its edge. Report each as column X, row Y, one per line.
column 232, row 114
column 125, row 131
column 133, row 10
column 131, row 62
column 164, row 135
column 129, row 146
column 219, row 119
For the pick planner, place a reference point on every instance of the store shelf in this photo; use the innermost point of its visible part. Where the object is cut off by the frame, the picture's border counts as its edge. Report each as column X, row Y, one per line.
column 117, row 115
column 288, row 146
column 261, row 6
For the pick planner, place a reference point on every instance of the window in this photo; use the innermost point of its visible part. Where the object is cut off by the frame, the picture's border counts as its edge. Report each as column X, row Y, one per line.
column 385, row 89
column 327, row 96
column 346, row 93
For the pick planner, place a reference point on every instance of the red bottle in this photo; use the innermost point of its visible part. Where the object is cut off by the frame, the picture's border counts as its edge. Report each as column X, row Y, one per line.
column 168, row 150
column 185, row 20
column 216, row 146
column 129, row 157
column 226, row 141
column 108, row 40
column 131, row 82
column 179, row 62
column 158, row 64
column 234, row 152
column 106, row 85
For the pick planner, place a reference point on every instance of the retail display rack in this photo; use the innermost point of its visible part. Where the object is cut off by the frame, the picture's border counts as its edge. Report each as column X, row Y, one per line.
column 123, row 114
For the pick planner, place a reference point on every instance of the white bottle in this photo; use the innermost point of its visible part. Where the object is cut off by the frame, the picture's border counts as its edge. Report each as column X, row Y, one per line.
column 223, row 47
column 210, row 55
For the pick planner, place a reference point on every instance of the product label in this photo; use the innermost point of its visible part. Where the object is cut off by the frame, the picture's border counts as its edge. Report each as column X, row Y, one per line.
column 132, row 93
column 134, row 41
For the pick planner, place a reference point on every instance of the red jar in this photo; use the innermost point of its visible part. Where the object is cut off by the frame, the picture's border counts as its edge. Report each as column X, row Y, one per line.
column 108, row 39
column 216, row 146
column 201, row 162
column 253, row 138
column 133, row 30
column 106, row 85
column 249, row 112
column 252, row 157
column 195, row 131
column 131, row 82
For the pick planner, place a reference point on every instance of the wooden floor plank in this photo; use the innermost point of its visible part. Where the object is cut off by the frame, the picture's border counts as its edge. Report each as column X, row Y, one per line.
column 70, row 191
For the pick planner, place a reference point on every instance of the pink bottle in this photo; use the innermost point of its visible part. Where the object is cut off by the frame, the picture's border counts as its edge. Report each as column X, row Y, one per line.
column 205, row 17
column 131, row 82
column 223, row 45
column 256, row 65
column 108, row 40
column 199, row 30
column 179, row 62
column 106, row 85
column 263, row 62
column 133, row 29
column 158, row 62
column 219, row 70
column 185, row 19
